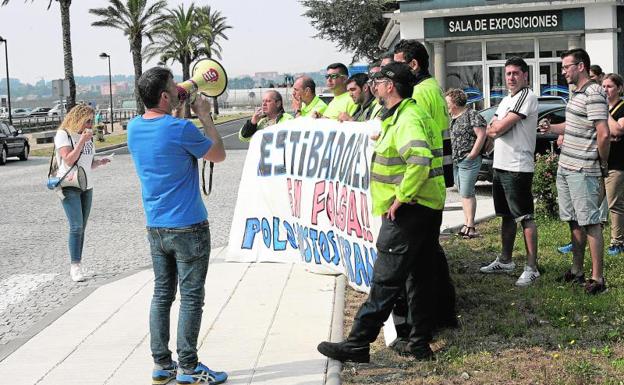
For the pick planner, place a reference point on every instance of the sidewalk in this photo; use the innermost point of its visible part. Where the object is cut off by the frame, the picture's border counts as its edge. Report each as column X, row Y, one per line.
column 261, row 324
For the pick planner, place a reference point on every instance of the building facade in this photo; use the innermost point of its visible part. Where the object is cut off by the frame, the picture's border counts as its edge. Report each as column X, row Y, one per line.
column 469, row 40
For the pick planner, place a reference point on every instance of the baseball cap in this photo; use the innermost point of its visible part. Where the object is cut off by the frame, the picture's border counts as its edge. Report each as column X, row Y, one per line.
column 397, row 72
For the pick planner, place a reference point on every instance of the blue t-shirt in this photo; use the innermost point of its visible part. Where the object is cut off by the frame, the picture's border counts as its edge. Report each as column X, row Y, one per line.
column 165, row 152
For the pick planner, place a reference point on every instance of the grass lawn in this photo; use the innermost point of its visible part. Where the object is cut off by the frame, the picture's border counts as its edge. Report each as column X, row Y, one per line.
column 110, row 140
column 549, row 333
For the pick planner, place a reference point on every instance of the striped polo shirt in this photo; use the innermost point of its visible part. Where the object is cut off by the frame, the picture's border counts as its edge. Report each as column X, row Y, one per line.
column 579, row 151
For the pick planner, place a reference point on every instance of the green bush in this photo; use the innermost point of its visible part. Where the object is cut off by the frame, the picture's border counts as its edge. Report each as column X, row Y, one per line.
column 545, row 186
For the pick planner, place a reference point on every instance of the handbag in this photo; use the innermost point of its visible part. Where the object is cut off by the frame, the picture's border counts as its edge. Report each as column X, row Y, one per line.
column 76, row 176
column 488, row 147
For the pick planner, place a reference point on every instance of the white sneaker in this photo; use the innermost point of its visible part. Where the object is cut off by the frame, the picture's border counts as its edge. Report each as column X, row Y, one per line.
column 75, row 271
column 498, row 267
column 529, row 275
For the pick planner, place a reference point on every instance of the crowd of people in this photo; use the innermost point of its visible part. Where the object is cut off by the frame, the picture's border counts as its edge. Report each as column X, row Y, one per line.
column 589, row 177
column 423, row 132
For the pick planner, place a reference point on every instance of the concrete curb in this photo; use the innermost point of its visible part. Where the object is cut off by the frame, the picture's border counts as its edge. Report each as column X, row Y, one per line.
column 334, row 367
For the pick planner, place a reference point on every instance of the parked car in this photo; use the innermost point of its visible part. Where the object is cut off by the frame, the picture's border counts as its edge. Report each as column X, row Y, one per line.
column 20, row 112
column 12, row 143
column 58, row 109
column 39, row 111
column 550, row 108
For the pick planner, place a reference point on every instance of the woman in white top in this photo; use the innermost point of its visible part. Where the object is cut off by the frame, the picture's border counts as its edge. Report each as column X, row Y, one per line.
column 73, row 144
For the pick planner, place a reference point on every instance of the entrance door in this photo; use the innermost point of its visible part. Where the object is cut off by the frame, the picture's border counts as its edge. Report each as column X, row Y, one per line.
column 496, row 88
column 551, row 81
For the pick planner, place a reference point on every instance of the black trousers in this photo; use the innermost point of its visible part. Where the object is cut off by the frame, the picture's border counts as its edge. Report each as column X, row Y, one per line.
column 407, row 254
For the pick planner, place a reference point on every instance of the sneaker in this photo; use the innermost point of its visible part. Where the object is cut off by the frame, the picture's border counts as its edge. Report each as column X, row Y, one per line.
column 615, row 249
column 162, row 375
column 201, row 375
column 565, row 249
column 594, row 287
column 570, row 277
column 345, row 351
column 75, row 271
column 529, row 275
column 498, row 267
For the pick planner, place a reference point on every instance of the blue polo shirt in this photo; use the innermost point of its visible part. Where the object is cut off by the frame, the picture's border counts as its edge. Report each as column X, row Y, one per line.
column 165, row 152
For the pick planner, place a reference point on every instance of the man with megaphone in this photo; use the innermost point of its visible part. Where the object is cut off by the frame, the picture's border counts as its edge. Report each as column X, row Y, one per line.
column 165, row 151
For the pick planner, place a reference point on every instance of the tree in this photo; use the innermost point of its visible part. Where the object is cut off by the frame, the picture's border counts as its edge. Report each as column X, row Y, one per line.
column 186, row 35
column 355, row 26
column 217, row 24
column 136, row 20
column 67, row 48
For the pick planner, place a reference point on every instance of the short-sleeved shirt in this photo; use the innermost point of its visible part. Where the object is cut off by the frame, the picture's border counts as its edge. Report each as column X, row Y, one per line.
column 61, row 139
column 165, row 152
column 616, row 153
column 514, row 150
column 463, row 136
column 341, row 103
column 579, row 151
column 315, row 105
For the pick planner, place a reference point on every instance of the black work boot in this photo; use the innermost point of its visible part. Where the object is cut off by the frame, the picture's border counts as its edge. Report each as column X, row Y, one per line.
column 345, row 351
column 420, row 352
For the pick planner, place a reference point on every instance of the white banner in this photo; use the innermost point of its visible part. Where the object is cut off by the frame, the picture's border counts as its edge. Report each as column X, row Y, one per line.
column 304, row 196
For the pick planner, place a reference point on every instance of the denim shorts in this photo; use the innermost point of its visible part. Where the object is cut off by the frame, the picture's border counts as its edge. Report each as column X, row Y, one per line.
column 580, row 197
column 466, row 172
column 513, row 195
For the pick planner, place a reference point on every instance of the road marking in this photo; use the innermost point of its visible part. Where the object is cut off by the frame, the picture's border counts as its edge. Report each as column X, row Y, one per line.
column 228, row 135
column 17, row 287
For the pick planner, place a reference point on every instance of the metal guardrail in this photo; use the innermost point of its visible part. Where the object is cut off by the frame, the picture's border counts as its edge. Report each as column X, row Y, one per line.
column 31, row 125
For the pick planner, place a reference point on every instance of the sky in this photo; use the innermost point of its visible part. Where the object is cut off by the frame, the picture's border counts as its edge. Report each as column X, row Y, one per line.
column 267, row 35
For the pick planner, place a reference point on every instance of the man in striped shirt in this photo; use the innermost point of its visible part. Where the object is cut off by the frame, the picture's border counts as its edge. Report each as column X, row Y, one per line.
column 514, row 128
column 584, row 153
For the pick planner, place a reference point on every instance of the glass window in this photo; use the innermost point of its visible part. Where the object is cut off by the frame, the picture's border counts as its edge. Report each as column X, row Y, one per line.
column 498, row 85
column 552, row 46
column 552, row 82
column 4, row 129
column 504, row 49
column 469, row 79
column 458, row 51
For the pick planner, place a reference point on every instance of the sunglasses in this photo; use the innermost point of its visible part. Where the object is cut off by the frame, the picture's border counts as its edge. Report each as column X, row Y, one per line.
column 333, row 76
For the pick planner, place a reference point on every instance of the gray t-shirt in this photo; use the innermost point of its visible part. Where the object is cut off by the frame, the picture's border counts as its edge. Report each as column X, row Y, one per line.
column 514, row 150
column 579, row 151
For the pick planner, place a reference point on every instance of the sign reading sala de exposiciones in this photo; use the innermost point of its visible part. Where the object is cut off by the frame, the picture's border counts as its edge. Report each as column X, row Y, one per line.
column 505, row 23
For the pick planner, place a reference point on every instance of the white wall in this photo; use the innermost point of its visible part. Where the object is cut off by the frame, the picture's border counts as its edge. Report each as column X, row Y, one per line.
column 412, row 27
column 601, row 46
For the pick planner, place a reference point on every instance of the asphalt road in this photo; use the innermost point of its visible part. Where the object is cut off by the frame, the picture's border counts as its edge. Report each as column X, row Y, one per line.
column 34, row 261
column 35, row 286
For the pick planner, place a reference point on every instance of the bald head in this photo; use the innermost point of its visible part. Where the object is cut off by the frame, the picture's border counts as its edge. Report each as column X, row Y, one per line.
column 304, row 89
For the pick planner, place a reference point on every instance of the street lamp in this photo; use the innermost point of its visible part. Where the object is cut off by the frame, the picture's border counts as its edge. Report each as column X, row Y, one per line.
column 6, row 56
column 104, row 55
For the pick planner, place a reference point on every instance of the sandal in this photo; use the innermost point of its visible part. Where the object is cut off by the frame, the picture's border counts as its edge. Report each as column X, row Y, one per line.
column 463, row 231
column 470, row 233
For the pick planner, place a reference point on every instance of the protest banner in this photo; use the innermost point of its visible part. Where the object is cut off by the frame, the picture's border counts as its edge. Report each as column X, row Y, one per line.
column 304, row 197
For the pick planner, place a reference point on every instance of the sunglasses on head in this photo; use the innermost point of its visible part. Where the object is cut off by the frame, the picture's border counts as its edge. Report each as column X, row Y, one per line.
column 333, row 76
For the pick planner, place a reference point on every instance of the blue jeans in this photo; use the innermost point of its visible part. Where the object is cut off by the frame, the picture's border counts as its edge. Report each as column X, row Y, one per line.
column 77, row 206
column 179, row 255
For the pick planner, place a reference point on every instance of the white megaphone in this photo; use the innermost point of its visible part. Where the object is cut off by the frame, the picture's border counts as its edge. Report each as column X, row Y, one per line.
column 207, row 77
